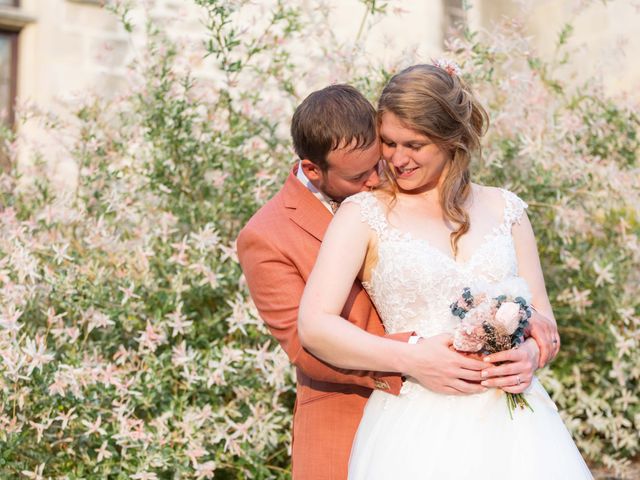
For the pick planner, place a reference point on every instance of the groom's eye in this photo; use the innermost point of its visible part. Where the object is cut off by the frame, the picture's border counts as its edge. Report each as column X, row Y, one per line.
column 362, row 176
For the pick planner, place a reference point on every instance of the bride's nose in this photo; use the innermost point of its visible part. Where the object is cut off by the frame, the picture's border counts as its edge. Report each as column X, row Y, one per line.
column 399, row 158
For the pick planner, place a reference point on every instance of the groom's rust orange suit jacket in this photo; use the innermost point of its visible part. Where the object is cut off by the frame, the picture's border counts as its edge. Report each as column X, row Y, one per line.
column 277, row 250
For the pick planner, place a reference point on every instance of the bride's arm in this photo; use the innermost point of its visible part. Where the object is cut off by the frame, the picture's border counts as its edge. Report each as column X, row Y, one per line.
column 543, row 327
column 529, row 266
column 536, row 351
column 322, row 330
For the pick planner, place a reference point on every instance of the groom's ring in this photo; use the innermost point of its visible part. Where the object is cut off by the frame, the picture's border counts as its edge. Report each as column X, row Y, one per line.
column 518, row 380
column 554, row 341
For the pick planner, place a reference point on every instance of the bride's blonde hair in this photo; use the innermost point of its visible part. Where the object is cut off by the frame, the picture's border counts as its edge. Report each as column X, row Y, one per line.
column 439, row 105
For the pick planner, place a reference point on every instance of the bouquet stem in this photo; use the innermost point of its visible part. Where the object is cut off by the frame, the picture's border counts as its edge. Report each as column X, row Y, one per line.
column 516, row 400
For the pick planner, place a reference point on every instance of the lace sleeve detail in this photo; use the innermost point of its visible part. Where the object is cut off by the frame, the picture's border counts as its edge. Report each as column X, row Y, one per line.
column 514, row 208
column 370, row 211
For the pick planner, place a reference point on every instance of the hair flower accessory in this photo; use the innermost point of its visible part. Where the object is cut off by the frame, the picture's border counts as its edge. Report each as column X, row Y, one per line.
column 448, row 66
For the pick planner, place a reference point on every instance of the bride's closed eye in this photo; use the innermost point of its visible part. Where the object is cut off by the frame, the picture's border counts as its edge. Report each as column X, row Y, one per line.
column 412, row 146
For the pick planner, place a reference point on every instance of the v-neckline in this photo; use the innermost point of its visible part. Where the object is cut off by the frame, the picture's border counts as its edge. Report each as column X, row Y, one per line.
column 494, row 233
column 462, row 264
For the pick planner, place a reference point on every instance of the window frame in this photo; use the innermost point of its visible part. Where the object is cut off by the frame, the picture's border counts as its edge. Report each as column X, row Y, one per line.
column 13, row 75
column 12, row 20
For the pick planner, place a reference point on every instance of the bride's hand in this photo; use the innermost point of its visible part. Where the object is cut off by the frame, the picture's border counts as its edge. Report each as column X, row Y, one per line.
column 516, row 373
column 436, row 366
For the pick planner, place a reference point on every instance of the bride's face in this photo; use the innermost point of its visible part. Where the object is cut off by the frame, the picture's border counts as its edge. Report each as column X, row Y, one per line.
column 416, row 162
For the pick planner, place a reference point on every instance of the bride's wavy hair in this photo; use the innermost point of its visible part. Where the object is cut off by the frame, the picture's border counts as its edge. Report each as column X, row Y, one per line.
column 440, row 106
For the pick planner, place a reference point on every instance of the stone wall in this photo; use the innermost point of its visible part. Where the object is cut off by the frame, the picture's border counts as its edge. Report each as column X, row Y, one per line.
column 74, row 47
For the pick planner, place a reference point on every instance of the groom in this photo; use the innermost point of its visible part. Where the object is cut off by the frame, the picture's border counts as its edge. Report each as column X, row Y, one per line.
column 334, row 136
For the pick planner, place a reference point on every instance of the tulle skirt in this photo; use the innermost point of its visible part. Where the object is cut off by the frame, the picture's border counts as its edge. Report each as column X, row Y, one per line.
column 425, row 435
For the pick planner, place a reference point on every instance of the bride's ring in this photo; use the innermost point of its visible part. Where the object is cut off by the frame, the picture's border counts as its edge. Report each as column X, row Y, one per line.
column 518, row 380
column 554, row 341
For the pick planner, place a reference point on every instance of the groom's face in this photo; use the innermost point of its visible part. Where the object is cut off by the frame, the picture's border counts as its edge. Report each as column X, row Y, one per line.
column 350, row 171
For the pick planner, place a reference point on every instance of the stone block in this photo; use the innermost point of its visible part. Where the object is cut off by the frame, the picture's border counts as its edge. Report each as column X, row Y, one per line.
column 66, row 47
column 108, row 53
column 90, row 16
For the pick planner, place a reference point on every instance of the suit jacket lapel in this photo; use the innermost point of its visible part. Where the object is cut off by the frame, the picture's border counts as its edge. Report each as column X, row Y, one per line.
column 304, row 209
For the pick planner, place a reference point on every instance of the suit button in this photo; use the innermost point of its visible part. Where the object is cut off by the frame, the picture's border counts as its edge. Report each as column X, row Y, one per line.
column 381, row 385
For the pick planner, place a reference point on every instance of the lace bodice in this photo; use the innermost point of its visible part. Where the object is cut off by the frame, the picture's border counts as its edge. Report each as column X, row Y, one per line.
column 413, row 283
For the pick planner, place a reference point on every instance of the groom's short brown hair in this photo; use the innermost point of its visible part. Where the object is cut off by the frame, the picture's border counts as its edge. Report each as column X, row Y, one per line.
column 333, row 117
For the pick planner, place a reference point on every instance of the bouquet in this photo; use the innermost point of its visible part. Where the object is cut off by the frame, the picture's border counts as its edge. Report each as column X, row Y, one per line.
column 491, row 324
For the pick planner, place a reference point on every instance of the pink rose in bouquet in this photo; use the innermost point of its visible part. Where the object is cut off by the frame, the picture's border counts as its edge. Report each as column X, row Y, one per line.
column 509, row 315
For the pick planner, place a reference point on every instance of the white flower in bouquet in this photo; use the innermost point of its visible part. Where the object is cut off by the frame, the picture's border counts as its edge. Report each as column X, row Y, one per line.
column 509, row 316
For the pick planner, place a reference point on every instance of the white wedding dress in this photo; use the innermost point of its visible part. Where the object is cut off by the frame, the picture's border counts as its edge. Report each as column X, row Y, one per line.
column 425, row 435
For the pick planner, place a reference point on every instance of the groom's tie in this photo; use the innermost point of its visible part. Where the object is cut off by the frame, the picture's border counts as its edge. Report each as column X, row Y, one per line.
column 334, row 205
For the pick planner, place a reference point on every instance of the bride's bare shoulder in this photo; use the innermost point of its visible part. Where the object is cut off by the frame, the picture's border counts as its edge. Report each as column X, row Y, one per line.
column 385, row 197
column 488, row 198
column 382, row 193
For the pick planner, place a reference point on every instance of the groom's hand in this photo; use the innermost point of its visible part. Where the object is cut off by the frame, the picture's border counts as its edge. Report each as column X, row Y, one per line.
column 545, row 332
column 439, row 368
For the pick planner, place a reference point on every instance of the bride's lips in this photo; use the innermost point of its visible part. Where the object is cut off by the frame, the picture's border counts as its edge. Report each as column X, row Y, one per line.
column 406, row 173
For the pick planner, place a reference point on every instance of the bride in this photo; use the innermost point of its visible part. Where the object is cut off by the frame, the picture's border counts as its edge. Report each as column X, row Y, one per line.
column 416, row 242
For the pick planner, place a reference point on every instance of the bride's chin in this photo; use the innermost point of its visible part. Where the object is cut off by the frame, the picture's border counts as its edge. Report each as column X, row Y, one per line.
column 414, row 189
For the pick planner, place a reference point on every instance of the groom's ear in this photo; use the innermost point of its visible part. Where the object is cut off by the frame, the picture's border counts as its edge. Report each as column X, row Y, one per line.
column 311, row 170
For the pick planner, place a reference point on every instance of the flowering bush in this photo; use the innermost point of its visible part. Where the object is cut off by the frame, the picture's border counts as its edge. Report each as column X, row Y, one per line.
column 129, row 346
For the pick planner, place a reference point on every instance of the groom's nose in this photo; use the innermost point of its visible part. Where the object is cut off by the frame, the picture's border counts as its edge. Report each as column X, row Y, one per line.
column 373, row 179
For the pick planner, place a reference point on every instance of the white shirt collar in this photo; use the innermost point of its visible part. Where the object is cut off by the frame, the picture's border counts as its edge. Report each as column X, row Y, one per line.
column 307, row 183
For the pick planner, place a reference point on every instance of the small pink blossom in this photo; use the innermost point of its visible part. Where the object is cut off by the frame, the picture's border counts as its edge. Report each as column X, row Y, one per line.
column 145, row 476
column 468, row 338
column 205, row 470
column 36, row 351
column 9, row 319
column 128, row 293
column 65, row 418
column 35, row 474
column 194, row 452
column 103, row 452
column 97, row 319
column 178, row 321
column 40, row 428
column 151, row 338
column 94, row 427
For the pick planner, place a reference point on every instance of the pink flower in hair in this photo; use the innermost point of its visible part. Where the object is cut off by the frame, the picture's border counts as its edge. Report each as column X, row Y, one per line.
column 448, row 66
